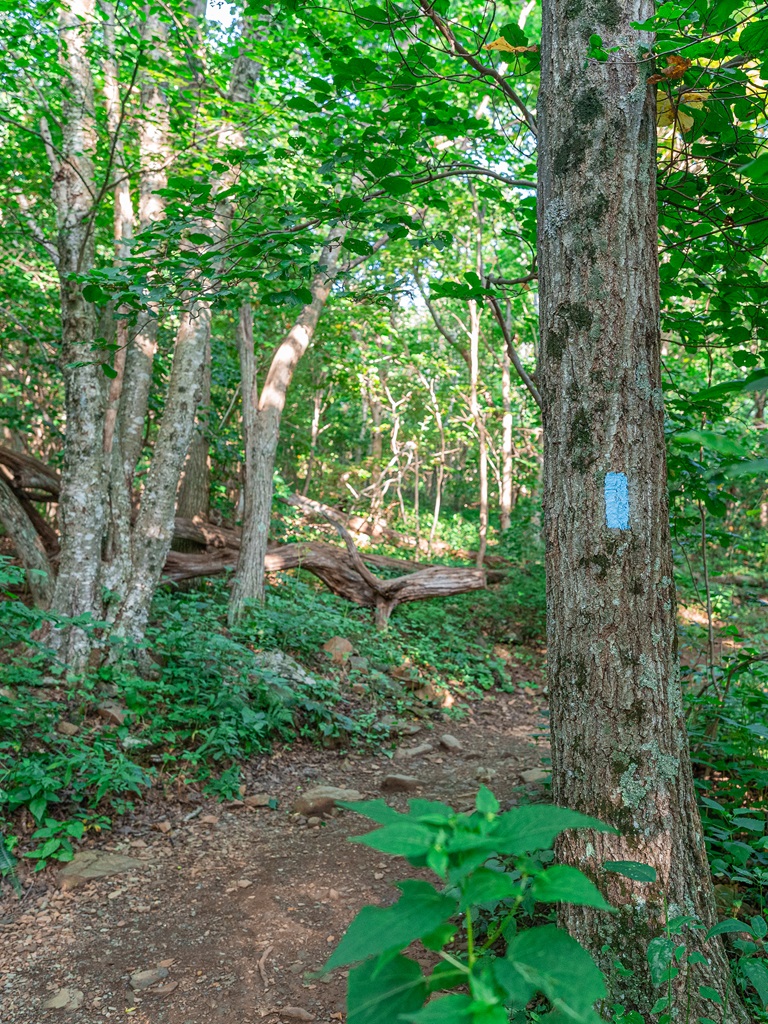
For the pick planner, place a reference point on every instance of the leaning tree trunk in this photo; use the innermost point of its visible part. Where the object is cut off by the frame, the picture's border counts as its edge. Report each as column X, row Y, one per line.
column 28, row 545
column 507, row 449
column 262, row 431
column 619, row 747
column 82, row 498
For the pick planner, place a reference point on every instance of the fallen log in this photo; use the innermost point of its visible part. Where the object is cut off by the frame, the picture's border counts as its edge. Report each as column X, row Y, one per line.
column 345, row 575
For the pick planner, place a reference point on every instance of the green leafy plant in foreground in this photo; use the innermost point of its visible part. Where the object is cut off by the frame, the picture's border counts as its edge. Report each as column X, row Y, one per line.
column 495, row 975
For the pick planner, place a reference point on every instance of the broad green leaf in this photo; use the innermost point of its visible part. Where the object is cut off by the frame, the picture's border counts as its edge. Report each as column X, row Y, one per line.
column 439, row 937
column 555, row 964
column 404, row 838
column 425, row 809
column 711, row 440
column 446, row 975
column 727, row 387
column 536, row 826
column 378, row 15
column 726, row 927
column 377, row 810
column 755, row 467
column 711, row 994
column 419, row 911
column 486, row 802
column 452, row 1009
column 757, row 975
column 382, row 993
column 659, row 954
column 485, row 885
column 631, row 869
column 759, row 926
column 565, row 884
column 396, row 185
column 757, row 383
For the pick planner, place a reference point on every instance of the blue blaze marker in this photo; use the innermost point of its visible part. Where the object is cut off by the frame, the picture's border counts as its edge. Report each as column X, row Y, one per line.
column 616, row 501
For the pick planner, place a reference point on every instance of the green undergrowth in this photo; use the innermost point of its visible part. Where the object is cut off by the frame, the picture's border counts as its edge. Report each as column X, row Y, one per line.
column 68, row 764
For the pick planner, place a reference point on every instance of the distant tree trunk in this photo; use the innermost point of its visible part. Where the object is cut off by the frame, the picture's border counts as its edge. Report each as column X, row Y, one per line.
column 82, row 510
column 507, row 450
column 194, row 496
column 248, row 584
column 28, row 545
column 377, row 450
column 317, row 412
column 479, row 421
column 619, row 746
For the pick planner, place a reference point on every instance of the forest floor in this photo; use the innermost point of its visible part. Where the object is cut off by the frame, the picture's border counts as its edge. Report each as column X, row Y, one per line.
column 235, row 906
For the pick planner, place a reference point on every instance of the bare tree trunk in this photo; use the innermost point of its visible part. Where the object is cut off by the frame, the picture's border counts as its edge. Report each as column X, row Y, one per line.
column 28, row 545
column 619, row 746
column 317, row 411
column 194, row 496
column 477, row 416
column 248, row 584
column 507, row 451
column 154, row 137
column 117, row 549
column 153, row 531
column 82, row 500
column 377, row 450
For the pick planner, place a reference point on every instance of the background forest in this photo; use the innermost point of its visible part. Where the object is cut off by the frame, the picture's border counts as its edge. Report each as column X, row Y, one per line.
column 271, row 402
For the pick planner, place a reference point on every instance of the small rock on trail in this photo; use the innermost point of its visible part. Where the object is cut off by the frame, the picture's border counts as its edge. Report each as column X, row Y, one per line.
column 92, row 864
column 406, row 753
column 448, row 742
column 65, row 999
column 321, row 799
column 145, row 979
column 399, row 783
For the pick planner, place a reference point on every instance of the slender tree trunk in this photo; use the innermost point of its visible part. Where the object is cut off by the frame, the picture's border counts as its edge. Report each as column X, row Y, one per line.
column 261, row 446
column 317, row 412
column 28, row 545
column 82, row 496
column 153, row 531
column 507, row 450
column 477, row 416
column 377, row 450
column 116, row 552
column 154, row 138
column 619, row 747
column 194, row 496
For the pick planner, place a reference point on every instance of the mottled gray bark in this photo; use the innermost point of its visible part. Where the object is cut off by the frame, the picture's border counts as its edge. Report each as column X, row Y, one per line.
column 82, row 498
column 154, row 138
column 507, row 451
column 619, row 746
column 153, row 531
column 28, row 545
column 194, row 496
column 264, row 426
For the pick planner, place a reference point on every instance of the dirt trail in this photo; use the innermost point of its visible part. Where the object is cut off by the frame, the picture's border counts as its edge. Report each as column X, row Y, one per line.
column 240, row 905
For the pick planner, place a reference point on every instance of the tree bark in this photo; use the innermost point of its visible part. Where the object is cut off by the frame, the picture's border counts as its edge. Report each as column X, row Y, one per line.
column 477, row 416
column 507, row 451
column 153, row 531
column 195, row 488
column 264, row 424
column 28, row 545
column 619, row 747
column 154, row 138
column 82, row 511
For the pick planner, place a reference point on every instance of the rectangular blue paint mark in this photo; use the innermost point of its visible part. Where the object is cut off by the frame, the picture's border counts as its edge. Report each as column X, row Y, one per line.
column 616, row 501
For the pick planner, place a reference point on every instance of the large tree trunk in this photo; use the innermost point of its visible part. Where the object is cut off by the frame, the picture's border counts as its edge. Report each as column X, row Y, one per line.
column 264, row 428
column 82, row 498
column 29, row 546
column 619, row 747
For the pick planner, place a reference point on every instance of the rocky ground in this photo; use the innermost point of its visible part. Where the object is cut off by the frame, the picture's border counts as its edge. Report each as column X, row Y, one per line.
column 221, row 913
